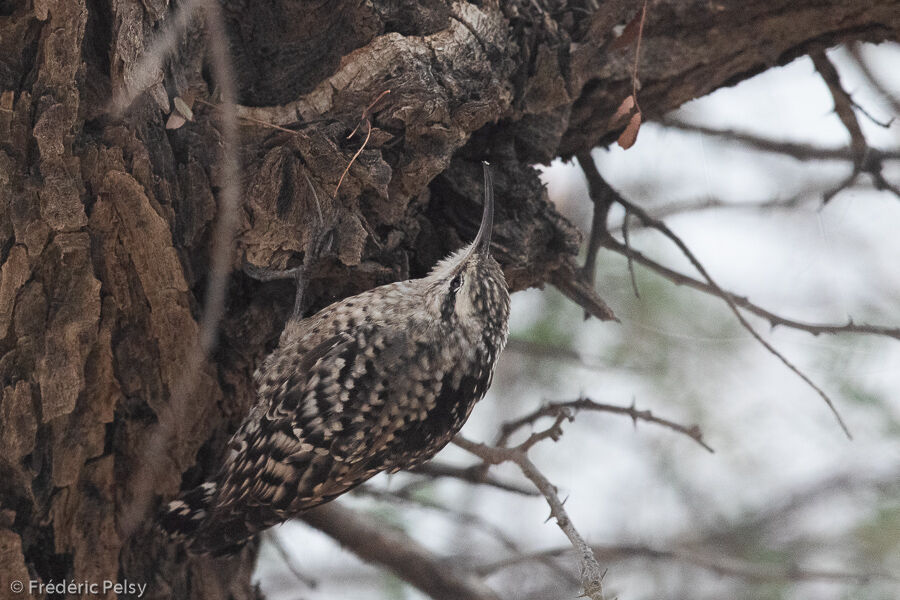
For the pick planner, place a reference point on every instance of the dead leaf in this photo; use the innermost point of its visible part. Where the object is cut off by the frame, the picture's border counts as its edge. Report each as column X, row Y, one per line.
column 629, row 136
column 629, row 34
column 175, row 121
column 183, row 108
column 625, row 109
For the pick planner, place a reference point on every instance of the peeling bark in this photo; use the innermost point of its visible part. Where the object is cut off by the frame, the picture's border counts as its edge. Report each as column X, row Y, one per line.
column 105, row 222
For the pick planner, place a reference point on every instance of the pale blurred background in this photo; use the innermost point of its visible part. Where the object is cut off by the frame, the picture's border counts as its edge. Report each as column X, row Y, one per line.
column 786, row 507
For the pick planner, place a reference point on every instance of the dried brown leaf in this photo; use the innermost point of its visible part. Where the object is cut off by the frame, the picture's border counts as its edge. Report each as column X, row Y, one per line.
column 629, row 34
column 629, row 136
column 625, row 109
column 183, row 108
column 175, row 121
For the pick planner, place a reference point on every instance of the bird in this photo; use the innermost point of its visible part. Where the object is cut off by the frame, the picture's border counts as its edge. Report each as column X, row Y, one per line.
column 376, row 382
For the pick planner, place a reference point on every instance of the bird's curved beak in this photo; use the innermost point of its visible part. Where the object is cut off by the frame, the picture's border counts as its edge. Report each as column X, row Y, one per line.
column 482, row 243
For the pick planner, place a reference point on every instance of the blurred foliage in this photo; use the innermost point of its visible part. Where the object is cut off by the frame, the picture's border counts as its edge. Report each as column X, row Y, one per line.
column 878, row 536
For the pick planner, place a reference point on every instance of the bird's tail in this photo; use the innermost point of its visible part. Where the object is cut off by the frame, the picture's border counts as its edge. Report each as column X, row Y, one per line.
column 180, row 519
column 192, row 520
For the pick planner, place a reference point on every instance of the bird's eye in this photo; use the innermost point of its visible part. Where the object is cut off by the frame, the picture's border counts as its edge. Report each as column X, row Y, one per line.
column 455, row 283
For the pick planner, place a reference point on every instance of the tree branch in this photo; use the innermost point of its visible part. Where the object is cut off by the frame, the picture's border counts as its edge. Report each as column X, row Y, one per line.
column 664, row 229
column 469, row 475
column 463, row 518
column 721, row 565
column 573, row 287
column 603, row 197
column 381, row 545
column 856, row 52
column 741, row 301
column 591, row 574
column 864, row 160
column 553, row 409
column 802, row 152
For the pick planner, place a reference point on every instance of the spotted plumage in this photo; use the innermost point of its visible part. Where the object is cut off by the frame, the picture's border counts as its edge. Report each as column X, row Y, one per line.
column 377, row 382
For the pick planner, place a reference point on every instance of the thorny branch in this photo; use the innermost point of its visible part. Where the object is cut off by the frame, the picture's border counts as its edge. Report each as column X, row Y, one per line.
column 856, row 53
column 591, row 573
column 469, row 475
column 554, row 409
column 843, row 104
column 802, row 152
column 700, row 204
column 864, row 161
column 664, row 229
column 578, row 286
column 742, row 302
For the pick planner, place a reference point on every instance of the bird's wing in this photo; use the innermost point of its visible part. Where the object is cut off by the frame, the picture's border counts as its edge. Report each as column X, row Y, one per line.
column 337, row 410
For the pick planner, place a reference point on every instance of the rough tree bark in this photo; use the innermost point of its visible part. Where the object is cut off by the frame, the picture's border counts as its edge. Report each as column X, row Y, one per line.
column 105, row 221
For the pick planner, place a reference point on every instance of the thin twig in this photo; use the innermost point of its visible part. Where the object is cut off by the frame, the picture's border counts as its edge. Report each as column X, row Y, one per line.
column 722, row 565
column 856, row 53
column 701, row 204
column 883, row 124
column 367, row 111
column 603, row 197
column 591, row 573
column 865, row 161
column 802, row 152
column 470, row 475
column 271, row 536
column 634, row 285
column 151, row 61
column 741, row 301
column 464, row 518
column 248, row 119
column 148, row 471
column 553, row 409
column 353, row 159
column 315, row 198
column 843, row 104
column 637, row 57
column 364, row 119
column 467, row 519
column 664, row 229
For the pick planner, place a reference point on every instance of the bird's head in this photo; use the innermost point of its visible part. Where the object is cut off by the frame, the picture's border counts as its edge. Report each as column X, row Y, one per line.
column 467, row 288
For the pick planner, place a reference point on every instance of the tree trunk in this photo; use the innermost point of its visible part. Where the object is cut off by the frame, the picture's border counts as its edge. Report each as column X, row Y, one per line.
column 106, row 220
